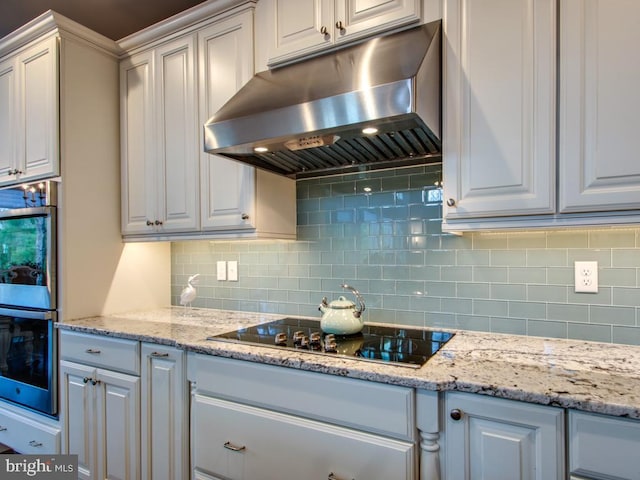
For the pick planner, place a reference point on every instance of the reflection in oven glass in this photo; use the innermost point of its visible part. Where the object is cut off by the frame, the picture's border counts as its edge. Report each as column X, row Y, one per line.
column 23, row 250
column 24, row 350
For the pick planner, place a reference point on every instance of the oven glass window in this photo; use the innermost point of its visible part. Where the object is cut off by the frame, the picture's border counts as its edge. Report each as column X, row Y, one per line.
column 23, row 250
column 24, row 350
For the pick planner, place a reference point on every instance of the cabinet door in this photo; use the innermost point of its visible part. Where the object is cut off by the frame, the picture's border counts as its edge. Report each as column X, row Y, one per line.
column 502, row 439
column 139, row 184
column 299, row 26
column 79, row 417
column 499, row 108
column 38, row 149
column 164, row 421
column 8, row 124
column 118, row 425
column 365, row 18
column 226, row 63
column 599, row 104
column 237, row 441
column 177, row 135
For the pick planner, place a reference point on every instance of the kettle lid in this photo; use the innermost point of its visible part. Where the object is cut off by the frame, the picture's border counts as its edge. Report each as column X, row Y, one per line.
column 341, row 302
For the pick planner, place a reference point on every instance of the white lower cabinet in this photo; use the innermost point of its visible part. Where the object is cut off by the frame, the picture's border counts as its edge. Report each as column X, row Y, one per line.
column 165, row 418
column 124, row 418
column 497, row 439
column 252, row 421
column 101, row 421
column 603, row 447
column 243, row 442
column 100, row 405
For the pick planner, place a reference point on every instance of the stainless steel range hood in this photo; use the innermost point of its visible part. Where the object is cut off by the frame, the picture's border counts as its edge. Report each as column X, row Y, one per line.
column 308, row 117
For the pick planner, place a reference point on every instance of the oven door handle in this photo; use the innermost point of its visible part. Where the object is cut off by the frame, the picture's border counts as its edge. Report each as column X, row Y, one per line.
column 30, row 314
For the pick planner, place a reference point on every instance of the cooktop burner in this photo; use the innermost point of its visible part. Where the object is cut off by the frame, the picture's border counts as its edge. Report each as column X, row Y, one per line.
column 401, row 346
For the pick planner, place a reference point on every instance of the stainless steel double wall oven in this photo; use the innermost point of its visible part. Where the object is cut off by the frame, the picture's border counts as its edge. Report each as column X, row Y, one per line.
column 28, row 297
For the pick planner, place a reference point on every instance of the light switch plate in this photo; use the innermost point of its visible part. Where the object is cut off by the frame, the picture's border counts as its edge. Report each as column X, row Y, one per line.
column 221, row 269
column 232, row 271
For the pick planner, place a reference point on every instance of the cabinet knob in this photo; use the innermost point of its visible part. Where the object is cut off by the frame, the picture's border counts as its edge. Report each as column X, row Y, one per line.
column 85, row 380
column 3, row 428
column 234, row 448
column 324, row 31
column 456, row 414
column 339, row 25
column 451, row 202
column 245, row 216
column 158, row 222
column 149, row 223
column 35, row 443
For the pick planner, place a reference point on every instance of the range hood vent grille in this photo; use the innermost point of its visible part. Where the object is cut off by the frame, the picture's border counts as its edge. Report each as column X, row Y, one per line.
column 415, row 146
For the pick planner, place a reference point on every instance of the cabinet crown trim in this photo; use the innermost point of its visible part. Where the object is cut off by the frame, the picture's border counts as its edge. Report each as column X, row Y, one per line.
column 53, row 22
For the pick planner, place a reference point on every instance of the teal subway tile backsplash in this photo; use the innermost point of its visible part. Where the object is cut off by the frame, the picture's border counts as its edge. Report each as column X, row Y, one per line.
column 381, row 232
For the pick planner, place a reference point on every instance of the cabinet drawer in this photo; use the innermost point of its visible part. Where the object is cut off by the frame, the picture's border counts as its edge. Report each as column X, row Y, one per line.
column 103, row 352
column 374, row 407
column 604, row 447
column 27, row 436
column 239, row 442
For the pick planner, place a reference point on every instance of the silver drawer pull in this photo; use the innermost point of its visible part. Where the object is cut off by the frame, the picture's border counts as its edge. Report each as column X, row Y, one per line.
column 35, row 443
column 159, row 354
column 3, row 429
column 235, row 448
column 333, row 476
column 92, row 351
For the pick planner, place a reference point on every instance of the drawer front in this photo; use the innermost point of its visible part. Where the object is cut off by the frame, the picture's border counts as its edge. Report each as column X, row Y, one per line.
column 28, row 436
column 240, row 442
column 364, row 405
column 604, row 447
column 104, row 352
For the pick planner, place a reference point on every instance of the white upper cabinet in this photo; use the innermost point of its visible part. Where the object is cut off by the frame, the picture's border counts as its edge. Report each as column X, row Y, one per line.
column 505, row 161
column 307, row 26
column 159, row 139
column 226, row 64
column 29, row 88
column 599, row 105
column 499, row 107
column 177, row 79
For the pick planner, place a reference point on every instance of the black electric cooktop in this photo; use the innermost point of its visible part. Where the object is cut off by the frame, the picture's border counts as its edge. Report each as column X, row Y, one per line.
column 399, row 346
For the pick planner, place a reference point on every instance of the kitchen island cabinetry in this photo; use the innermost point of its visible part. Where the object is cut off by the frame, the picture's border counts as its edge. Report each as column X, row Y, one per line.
column 100, row 398
column 29, row 113
column 502, row 439
column 304, row 27
column 601, row 446
column 328, row 427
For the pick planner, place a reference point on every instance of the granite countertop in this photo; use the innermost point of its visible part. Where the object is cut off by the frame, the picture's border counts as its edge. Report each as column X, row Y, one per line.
column 595, row 377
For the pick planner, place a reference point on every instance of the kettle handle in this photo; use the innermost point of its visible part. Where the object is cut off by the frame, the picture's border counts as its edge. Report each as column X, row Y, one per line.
column 360, row 309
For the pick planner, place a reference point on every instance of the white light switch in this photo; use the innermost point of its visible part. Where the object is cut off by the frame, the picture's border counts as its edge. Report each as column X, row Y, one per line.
column 232, row 271
column 221, row 267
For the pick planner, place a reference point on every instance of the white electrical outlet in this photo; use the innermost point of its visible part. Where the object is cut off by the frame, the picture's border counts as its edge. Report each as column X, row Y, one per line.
column 221, row 270
column 586, row 277
column 232, row 271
